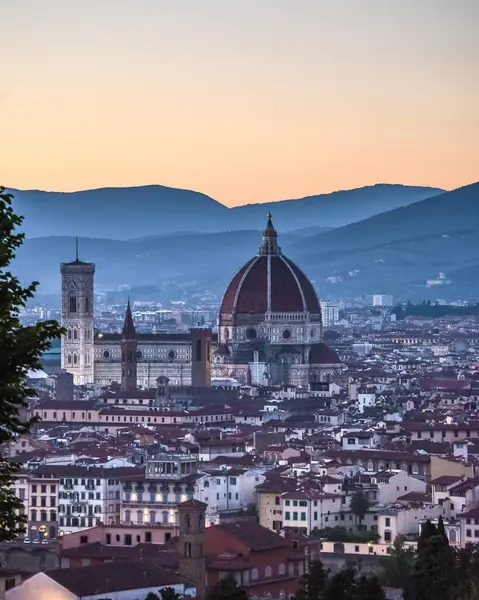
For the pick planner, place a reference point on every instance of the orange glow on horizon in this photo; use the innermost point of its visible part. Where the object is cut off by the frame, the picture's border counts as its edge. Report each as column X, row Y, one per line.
column 243, row 101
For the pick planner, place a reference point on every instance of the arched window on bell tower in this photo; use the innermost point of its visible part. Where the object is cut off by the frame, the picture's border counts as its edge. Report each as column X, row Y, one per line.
column 72, row 304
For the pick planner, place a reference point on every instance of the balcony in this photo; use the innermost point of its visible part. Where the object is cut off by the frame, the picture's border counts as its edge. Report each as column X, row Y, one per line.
column 157, row 503
column 146, row 524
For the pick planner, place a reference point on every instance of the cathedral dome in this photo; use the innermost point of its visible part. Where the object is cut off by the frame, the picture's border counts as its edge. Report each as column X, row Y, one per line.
column 270, row 282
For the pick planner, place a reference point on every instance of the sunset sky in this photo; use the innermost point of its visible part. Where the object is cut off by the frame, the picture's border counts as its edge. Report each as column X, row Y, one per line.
column 244, row 100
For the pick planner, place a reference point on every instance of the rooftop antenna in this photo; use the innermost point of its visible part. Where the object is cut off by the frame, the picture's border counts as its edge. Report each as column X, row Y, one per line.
column 76, row 248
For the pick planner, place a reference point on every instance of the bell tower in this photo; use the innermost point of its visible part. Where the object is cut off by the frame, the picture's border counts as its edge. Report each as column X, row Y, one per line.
column 192, row 562
column 128, row 353
column 200, row 357
column 77, row 344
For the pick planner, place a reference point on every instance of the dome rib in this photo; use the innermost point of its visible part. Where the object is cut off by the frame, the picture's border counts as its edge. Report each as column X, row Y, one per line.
column 252, row 263
column 229, row 299
column 305, row 308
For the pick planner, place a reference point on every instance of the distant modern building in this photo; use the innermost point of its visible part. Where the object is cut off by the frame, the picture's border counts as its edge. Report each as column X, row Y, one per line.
column 329, row 313
column 382, row 300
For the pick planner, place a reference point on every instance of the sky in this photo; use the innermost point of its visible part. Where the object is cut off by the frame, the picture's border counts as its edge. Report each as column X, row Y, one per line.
column 244, row 100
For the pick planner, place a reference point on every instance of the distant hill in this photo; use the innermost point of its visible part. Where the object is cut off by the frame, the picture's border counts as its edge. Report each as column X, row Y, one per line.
column 118, row 213
column 137, row 212
column 335, row 209
column 395, row 252
column 401, row 248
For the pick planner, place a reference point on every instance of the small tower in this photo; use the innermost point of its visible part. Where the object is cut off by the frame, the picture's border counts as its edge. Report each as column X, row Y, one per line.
column 77, row 344
column 191, row 559
column 128, row 353
column 201, row 357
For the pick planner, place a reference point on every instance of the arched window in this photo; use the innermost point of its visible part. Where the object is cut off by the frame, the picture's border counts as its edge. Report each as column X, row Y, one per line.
column 69, row 358
column 198, row 350
column 75, row 333
column 72, row 304
column 227, row 333
column 187, row 522
column 281, row 569
column 268, row 571
column 254, row 574
column 75, row 358
column 69, row 333
column 87, row 304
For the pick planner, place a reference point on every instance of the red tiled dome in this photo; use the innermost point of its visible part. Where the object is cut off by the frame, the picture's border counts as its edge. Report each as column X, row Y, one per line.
column 270, row 282
column 321, row 354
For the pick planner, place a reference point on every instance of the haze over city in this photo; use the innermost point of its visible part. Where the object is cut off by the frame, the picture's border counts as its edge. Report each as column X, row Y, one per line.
column 246, row 101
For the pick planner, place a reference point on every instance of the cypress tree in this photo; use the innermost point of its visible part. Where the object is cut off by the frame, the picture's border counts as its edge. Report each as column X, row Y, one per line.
column 434, row 575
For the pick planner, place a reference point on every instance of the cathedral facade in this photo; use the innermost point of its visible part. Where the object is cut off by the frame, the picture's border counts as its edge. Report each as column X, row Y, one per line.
column 269, row 332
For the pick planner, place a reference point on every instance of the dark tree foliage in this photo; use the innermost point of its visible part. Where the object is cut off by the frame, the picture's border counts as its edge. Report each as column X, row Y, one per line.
column 320, row 584
column 434, row 575
column 313, row 583
column 227, row 589
column 434, row 310
column 168, row 593
column 341, row 586
column 442, row 531
column 341, row 534
column 398, row 566
column 359, row 504
column 20, row 351
column 368, row 588
column 331, row 335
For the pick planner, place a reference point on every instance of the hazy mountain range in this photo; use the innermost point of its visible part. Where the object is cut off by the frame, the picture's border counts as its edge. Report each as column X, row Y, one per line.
column 125, row 213
column 386, row 239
